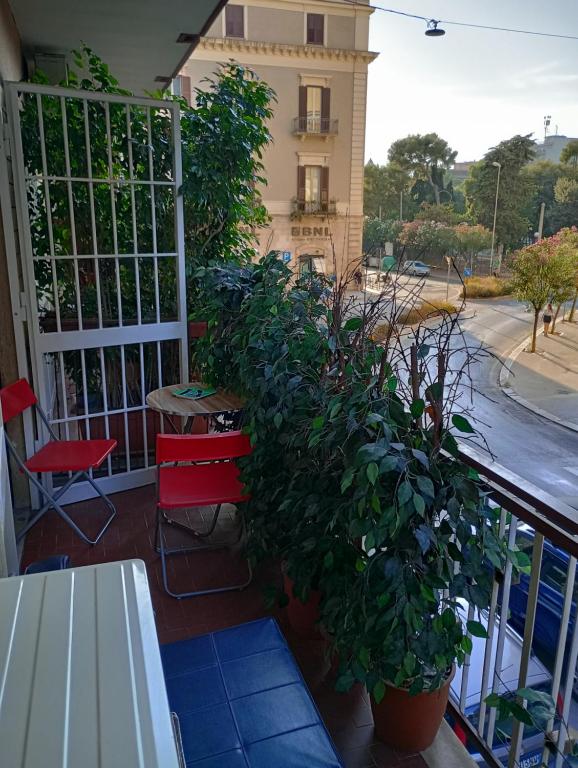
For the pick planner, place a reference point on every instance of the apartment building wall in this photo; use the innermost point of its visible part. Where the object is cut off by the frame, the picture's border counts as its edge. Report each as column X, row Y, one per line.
column 274, row 44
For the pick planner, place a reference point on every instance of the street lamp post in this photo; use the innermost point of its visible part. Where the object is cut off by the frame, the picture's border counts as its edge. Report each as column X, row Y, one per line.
column 499, row 167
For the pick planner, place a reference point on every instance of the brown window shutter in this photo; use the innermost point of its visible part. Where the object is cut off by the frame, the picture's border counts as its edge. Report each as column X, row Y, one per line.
column 315, row 23
column 301, row 183
column 302, row 107
column 324, row 185
column 186, row 88
column 325, row 109
column 234, row 21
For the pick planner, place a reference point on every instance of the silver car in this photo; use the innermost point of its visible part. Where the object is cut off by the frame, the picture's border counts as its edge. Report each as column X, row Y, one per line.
column 416, row 268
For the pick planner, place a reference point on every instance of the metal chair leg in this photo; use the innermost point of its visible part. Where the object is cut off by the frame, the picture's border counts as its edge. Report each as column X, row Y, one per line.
column 198, row 592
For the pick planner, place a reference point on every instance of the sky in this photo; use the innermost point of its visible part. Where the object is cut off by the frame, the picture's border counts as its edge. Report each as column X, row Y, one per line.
column 472, row 87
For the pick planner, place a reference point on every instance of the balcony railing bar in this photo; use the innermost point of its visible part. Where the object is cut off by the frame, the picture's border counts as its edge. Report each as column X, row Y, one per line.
column 466, row 668
column 505, row 480
column 532, row 605
column 564, row 625
column 507, row 583
column 563, row 730
column 316, row 126
column 490, row 641
column 473, row 736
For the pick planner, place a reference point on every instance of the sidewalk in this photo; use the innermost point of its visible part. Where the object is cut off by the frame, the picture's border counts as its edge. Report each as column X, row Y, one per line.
column 546, row 382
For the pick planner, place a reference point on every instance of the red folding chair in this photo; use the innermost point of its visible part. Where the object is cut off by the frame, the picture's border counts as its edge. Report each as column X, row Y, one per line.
column 208, row 478
column 77, row 457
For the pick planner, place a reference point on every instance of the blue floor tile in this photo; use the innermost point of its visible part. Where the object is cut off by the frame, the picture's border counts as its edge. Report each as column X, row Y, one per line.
column 248, row 638
column 187, row 655
column 267, row 714
column 309, row 747
column 234, row 759
column 208, row 732
column 196, row 690
column 259, row 672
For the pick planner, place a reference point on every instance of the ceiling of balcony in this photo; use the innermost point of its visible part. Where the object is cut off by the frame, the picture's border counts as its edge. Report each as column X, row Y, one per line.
column 136, row 38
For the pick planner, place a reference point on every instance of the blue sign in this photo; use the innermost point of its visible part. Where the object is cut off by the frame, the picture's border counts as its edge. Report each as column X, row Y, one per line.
column 467, row 272
column 286, row 256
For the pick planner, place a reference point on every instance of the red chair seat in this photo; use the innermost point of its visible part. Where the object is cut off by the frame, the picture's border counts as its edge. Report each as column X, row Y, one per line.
column 200, row 485
column 70, row 455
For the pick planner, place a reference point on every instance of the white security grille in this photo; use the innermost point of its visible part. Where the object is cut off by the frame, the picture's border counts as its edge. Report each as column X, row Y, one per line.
column 97, row 180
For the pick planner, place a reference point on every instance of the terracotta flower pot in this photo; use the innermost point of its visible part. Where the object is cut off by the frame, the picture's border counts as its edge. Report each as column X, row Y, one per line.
column 303, row 617
column 410, row 723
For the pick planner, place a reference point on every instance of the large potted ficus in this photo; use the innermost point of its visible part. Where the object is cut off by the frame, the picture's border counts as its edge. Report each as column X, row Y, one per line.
column 431, row 544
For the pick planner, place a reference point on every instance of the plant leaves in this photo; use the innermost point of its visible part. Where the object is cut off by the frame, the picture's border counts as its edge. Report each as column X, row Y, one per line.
column 476, row 629
column 378, row 691
column 460, row 422
column 372, row 472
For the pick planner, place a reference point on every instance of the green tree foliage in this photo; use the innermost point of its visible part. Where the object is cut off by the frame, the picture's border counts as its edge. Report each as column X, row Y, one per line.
column 445, row 213
column 472, row 238
column 569, row 154
column 426, row 158
column 344, row 450
column 548, row 181
column 541, row 272
column 515, row 192
column 383, row 187
column 376, row 233
column 223, row 138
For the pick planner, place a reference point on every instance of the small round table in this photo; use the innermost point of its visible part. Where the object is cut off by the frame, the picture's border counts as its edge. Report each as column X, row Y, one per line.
column 163, row 401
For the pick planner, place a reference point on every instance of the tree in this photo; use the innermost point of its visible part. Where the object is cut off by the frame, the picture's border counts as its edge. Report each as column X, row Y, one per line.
column 569, row 154
column 471, row 239
column 223, row 138
column 541, row 272
column 376, row 233
column 512, row 223
column 444, row 213
column 428, row 236
column 383, row 187
column 545, row 178
column 425, row 157
column 569, row 242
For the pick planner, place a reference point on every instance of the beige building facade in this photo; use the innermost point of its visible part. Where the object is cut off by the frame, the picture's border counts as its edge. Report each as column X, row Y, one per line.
column 315, row 56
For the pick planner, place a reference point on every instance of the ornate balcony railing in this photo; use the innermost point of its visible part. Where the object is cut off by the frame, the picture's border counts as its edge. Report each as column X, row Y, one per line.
column 521, row 608
column 313, row 208
column 317, row 126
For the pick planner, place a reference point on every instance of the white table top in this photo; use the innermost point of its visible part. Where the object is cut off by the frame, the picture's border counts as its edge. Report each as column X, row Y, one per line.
column 81, row 681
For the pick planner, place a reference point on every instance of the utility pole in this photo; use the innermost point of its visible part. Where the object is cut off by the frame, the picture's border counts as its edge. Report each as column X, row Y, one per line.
column 541, row 221
column 401, row 205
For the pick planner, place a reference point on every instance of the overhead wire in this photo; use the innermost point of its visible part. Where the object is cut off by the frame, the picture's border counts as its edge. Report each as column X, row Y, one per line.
column 471, row 25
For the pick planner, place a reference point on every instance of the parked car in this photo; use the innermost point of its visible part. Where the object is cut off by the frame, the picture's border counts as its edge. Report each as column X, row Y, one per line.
column 538, row 678
column 416, row 268
column 550, row 596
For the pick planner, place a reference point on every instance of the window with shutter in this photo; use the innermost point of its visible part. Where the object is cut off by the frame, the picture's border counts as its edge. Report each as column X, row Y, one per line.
column 315, row 29
column 324, row 184
column 234, row 21
column 325, row 109
column 314, row 109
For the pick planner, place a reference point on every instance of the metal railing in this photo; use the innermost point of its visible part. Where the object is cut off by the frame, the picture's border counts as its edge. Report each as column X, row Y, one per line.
column 314, row 208
column 326, row 126
column 547, row 529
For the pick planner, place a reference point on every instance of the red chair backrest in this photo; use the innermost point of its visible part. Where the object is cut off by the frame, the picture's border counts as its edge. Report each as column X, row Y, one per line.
column 16, row 398
column 213, row 447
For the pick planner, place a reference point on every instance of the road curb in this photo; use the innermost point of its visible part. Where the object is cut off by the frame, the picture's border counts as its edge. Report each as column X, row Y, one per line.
column 506, row 371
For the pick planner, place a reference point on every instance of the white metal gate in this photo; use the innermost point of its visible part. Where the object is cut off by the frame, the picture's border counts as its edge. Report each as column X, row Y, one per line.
column 100, row 218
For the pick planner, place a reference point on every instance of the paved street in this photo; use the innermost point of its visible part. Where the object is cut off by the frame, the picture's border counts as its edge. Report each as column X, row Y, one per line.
column 539, row 450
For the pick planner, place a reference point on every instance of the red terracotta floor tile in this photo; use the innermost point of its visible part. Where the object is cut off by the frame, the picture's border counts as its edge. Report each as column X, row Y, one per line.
column 131, row 535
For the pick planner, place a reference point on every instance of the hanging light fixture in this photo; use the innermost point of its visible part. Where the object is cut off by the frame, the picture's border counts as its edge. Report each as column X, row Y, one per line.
column 432, row 29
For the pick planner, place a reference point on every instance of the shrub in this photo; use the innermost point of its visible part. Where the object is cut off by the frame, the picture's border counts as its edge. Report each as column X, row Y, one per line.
column 426, row 309
column 486, row 287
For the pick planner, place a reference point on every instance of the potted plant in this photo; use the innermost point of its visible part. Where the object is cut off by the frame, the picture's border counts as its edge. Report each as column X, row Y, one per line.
column 431, row 544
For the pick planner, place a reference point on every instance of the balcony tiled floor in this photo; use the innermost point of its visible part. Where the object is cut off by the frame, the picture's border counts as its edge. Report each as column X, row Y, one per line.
column 348, row 717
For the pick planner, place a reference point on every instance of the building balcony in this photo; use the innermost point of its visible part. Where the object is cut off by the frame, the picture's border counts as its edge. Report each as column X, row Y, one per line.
column 312, row 208
column 315, row 126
